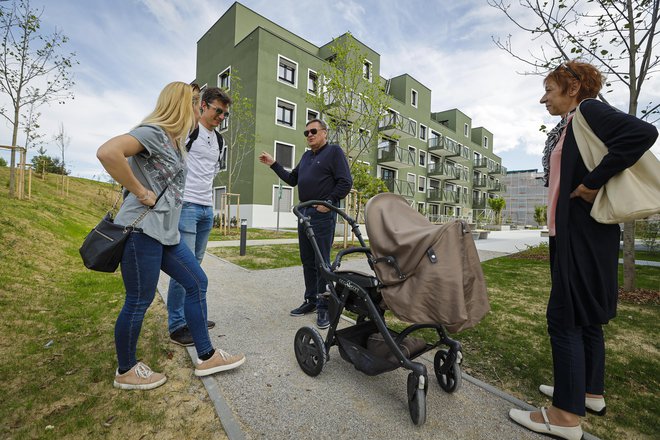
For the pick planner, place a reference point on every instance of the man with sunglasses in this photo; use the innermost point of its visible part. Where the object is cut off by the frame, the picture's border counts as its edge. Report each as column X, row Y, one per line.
column 206, row 150
column 321, row 174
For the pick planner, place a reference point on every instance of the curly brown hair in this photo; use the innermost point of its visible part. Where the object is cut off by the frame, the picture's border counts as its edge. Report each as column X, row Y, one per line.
column 589, row 77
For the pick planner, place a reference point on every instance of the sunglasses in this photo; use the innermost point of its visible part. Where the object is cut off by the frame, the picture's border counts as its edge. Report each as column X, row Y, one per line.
column 311, row 131
column 218, row 110
column 569, row 70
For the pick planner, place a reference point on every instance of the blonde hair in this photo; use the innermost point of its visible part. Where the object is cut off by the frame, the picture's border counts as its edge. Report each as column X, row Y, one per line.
column 174, row 112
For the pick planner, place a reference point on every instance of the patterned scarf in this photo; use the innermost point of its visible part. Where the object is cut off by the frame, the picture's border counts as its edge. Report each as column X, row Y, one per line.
column 551, row 143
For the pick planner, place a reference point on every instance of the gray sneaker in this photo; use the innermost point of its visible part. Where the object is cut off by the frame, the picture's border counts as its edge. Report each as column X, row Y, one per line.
column 140, row 377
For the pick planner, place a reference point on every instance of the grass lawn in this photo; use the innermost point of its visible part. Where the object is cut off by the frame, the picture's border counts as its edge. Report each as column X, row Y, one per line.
column 252, row 234
column 510, row 348
column 57, row 355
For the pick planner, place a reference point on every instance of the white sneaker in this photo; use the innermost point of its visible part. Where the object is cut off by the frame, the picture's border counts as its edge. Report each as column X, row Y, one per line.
column 595, row 405
column 220, row 361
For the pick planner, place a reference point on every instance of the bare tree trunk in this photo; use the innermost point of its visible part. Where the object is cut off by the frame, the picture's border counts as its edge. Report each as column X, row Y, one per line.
column 629, row 256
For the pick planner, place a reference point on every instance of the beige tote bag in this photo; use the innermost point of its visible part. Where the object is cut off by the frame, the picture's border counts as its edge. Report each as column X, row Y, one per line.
column 633, row 193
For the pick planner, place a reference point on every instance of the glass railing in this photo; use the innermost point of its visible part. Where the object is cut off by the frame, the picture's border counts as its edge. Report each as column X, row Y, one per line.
column 393, row 153
column 402, row 187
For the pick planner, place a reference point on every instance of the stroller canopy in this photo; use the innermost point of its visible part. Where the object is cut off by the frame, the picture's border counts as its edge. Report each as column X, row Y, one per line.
column 431, row 273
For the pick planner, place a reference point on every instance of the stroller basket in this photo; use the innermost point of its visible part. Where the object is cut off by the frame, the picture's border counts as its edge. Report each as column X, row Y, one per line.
column 353, row 348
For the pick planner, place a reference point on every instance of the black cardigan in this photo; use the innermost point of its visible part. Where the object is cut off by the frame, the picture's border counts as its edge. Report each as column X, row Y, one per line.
column 584, row 263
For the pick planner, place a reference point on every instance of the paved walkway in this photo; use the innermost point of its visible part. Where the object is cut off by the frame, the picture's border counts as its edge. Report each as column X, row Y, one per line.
column 269, row 397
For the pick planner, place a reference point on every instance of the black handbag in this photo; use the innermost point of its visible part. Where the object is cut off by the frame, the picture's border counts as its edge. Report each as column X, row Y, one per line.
column 103, row 247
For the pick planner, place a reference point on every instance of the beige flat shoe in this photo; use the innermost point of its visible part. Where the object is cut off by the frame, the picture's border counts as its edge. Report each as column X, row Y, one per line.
column 592, row 404
column 523, row 419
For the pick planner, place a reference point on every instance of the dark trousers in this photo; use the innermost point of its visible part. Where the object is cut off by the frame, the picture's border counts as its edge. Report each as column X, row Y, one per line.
column 323, row 225
column 578, row 355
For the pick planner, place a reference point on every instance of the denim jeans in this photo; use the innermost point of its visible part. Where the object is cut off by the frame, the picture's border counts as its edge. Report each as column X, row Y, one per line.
column 323, row 225
column 194, row 226
column 141, row 264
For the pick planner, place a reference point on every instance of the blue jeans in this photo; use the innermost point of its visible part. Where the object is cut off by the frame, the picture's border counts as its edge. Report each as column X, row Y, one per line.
column 194, row 226
column 323, row 225
column 141, row 264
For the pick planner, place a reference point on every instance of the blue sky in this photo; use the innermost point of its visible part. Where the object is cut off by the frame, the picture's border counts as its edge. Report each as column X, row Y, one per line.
column 129, row 49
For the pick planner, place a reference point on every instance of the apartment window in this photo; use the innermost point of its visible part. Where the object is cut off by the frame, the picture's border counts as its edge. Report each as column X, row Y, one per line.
column 366, row 70
column 412, row 179
column 421, row 184
column 413, row 97
column 286, row 71
column 223, row 125
column 286, row 112
column 312, row 114
column 466, row 130
column 223, row 79
column 485, row 142
column 223, row 159
column 312, row 82
column 284, row 154
column 282, row 198
column 421, row 207
column 422, row 158
column 422, row 132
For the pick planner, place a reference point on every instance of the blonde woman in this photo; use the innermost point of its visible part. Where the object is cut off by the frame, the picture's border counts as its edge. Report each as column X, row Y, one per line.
column 153, row 176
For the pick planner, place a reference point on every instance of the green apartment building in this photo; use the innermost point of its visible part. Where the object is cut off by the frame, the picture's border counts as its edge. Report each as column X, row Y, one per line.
column 438, row 161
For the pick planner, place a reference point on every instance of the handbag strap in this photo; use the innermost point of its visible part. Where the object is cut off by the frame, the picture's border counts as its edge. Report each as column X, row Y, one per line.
column 148, row 210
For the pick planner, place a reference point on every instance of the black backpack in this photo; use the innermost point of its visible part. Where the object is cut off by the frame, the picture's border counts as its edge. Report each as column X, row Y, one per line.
column 222, row 156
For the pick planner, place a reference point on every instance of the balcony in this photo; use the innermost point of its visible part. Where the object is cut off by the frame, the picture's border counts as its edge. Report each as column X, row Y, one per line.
column 478, row 203
column 442, row 195
column 441, row 170
column 463, row 156
column 482, row 162
column 391, row 155
column 497, row 170
column 393, row 124
column 401, row 187
column 480, row 182
column 443, row 146
column 460, row 176
column 497, row 187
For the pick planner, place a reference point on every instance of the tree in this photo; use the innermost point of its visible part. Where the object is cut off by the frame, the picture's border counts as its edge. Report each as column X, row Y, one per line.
column 240, row 135
column 366, row 184
column 541, row 214
column 3, row 162
column 618, row 36
column 62, row 141
column 43, row 164
column 497, row 205
column 32, row 69
column 351, row 104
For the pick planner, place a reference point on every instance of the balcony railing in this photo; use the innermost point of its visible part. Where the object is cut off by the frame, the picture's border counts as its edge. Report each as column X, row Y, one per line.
column 401, row 187
column 480, row 182
column 395, row 124
column 460, row 175
column 478, row 203
column 443, row 146
column 441, row 170
column 443, row 195
column 394, row 156
column 482, row 162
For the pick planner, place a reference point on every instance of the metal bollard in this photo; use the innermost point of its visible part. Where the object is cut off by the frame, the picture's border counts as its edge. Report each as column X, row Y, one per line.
column 243, row 235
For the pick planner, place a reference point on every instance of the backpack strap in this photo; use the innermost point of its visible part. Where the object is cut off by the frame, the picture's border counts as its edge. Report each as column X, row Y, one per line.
column 192, row 138
column 221, row 143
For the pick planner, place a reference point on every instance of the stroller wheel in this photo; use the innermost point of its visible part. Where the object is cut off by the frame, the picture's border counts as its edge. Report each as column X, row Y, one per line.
column 416, row 400
column 451, row 380
column 310, row 350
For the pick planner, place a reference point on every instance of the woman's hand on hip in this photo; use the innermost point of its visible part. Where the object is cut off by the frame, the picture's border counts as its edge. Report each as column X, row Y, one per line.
column 585, row 193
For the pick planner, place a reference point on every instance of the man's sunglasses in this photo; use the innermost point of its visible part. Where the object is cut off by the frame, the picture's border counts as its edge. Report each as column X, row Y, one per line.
column 311, row 131
column 219, row 111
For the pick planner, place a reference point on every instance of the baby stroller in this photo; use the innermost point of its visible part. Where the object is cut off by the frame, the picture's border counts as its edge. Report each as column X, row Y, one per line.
column 369, row 344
